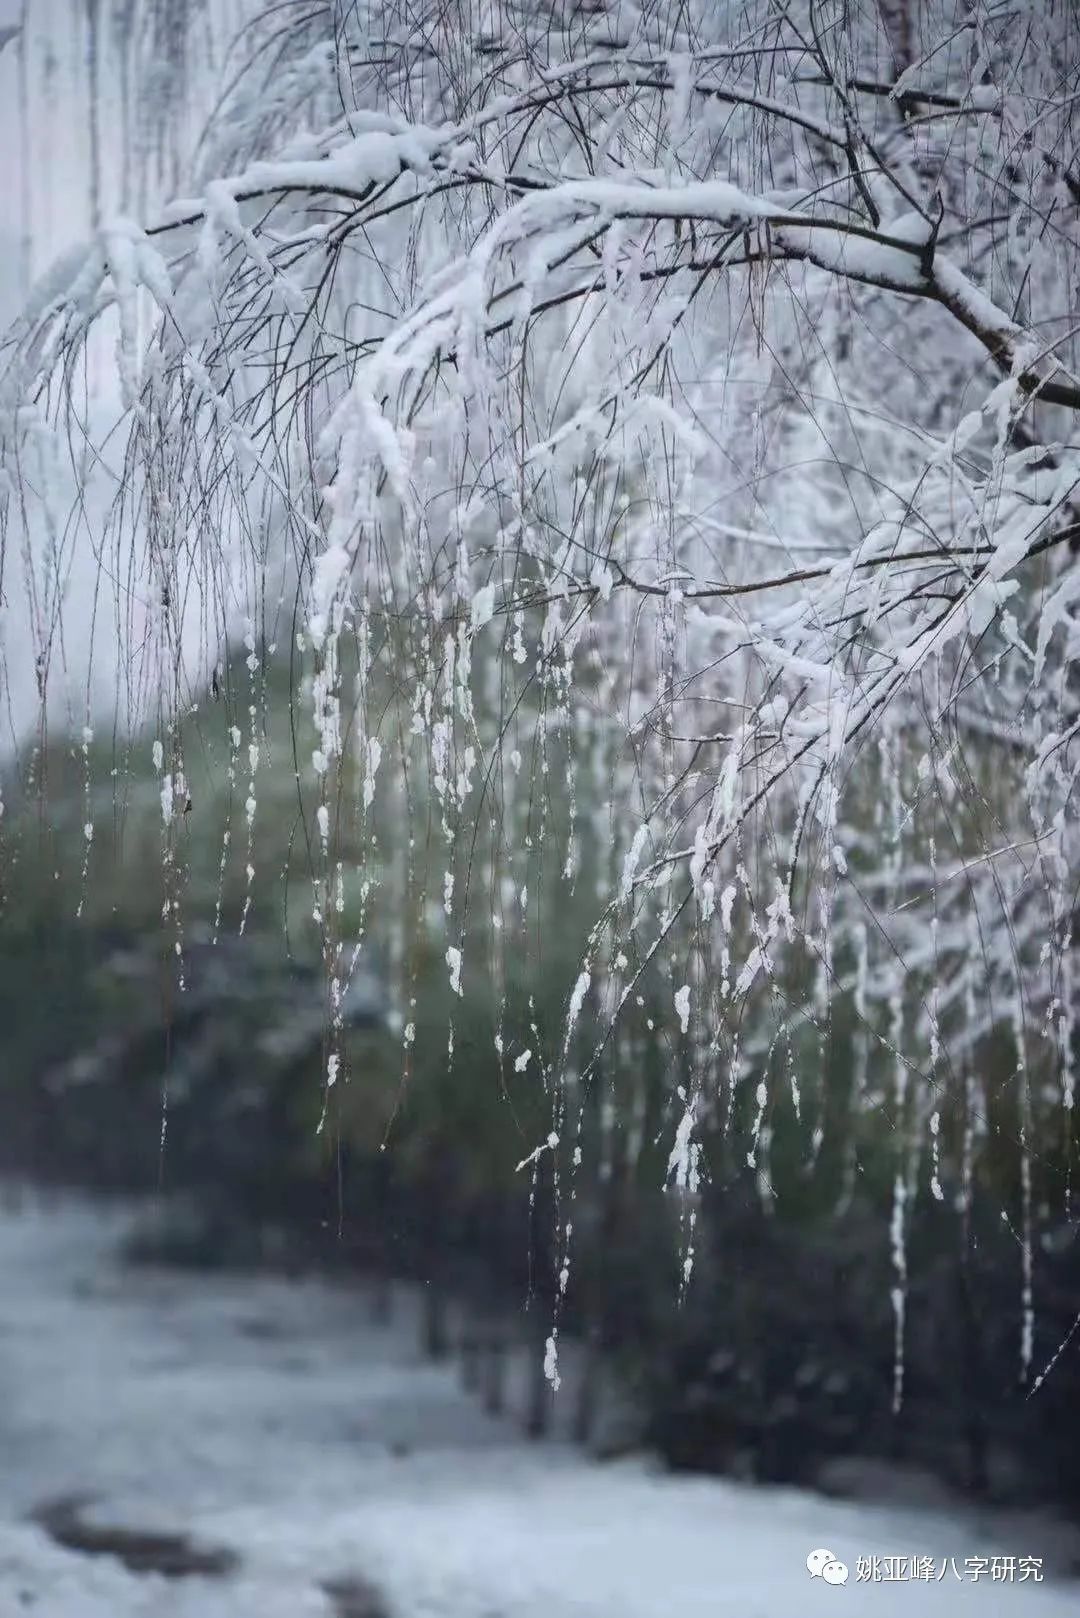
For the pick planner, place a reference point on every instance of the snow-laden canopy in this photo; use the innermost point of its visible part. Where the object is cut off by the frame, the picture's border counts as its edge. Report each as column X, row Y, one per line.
column 678, row 406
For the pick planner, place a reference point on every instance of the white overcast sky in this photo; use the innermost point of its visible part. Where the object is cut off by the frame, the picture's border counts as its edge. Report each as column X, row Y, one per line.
column 45, row 196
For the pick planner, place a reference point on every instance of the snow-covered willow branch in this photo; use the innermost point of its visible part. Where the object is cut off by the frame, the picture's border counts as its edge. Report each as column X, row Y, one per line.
column 689, row 390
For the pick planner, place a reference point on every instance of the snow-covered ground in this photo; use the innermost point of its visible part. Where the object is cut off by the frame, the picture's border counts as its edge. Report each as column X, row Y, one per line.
column 270, row 1418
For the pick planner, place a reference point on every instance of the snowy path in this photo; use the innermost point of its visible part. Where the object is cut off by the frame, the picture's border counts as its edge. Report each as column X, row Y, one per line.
column 271, row 1419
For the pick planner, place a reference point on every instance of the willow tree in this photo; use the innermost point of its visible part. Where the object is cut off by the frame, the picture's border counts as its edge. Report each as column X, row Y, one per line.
column 675, row 407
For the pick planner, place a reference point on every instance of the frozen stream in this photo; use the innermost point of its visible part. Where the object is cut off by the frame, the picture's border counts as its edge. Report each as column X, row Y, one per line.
column 265, row 1431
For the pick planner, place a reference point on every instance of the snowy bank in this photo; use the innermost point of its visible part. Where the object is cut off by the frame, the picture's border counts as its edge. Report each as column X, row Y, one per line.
column 272, row 1420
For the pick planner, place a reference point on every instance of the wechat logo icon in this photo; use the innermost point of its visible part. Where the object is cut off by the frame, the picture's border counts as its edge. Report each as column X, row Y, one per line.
column 822, row 1564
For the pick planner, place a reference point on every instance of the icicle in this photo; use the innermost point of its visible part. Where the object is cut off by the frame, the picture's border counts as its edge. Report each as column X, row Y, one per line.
column 897, row 1227
column 1027, row 1306
column 935, row 1037
column 88, row 820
